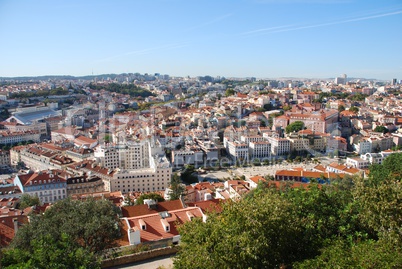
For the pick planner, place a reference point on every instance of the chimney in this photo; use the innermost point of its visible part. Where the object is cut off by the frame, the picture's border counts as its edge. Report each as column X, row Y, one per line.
column 15, row 221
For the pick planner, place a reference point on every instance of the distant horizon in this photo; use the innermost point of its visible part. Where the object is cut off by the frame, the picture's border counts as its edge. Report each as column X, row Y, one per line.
column 237, row 38
column 226, row 77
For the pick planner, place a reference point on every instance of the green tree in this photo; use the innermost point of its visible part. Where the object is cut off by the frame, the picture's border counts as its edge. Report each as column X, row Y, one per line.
column 188, row 176
column 242, row 236
column 27, row 200
column 48, row 252
column 286, row 108
column 290, row 224
column 379, row 199
column 229, row 92
column 341, row 108
column 381, row 129
column 366, row 254
column 294, row 127
column 154, row 196
column 176, row 187
column 353, row 222
column 108, row 138
column 354, row 109
column 94, row 224
column 268, row 107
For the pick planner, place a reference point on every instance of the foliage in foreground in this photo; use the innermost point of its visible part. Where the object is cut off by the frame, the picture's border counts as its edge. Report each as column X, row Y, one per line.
column 79, row 229
column 328, row 226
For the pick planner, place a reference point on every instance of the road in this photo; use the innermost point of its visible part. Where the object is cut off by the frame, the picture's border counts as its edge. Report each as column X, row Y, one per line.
column 164, row 262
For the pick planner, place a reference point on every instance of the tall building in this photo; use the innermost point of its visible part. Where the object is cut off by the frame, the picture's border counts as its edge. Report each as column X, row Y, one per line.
column 132, row 166
column 341, row 80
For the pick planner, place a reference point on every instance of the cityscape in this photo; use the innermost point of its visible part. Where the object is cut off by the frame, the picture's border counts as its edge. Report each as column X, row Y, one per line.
column 127, row 135
column 173, row 134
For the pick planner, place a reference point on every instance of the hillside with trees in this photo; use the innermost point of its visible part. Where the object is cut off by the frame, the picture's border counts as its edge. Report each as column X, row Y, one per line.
column 130, row 89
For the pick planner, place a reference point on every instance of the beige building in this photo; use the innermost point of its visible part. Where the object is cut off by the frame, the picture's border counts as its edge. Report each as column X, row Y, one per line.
column 84, row 184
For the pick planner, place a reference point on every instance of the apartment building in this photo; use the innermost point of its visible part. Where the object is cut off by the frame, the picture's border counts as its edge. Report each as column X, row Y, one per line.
column 251, row 138
column 184, row 157
column 238, row 151
column 322, row 121
column 279, row 146
column 131, row 166
column 4, row 158
column 48, row 185
column 125, row 155
column 84, row 184
column 8, row 137
column 260, row 150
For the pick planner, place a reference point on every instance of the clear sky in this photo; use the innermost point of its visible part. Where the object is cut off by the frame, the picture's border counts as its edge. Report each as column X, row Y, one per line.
column 231, row 38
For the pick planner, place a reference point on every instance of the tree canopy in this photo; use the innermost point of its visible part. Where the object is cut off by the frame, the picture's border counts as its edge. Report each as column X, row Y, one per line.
column 56, row 91
column 229, row 92
column 154, row 196
column 381, row 129
column 130, row 89
column 294, row 127
column 176, row 187
column 354, row 109
column 27, row 200
column 350, row 223
column 80, row 228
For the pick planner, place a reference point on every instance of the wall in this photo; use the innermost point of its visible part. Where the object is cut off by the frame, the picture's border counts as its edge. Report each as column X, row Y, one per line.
column 139, row 256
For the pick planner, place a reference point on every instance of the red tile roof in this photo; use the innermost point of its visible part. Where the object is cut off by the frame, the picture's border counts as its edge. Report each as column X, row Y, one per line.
column 143, row 210
column 214, row 205
column 155, row 224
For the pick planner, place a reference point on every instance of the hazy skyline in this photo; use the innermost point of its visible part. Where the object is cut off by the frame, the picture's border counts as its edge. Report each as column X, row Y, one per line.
column 239, row 38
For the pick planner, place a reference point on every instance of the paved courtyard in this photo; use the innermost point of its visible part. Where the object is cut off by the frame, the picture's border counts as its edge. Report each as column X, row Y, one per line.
column 253, row 171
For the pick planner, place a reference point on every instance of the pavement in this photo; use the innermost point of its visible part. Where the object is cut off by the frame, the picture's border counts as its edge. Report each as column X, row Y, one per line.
column 270, row 169
column 254, row 170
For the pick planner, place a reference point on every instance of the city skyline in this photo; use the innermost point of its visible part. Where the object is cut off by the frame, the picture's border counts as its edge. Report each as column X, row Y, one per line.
column 245, row 38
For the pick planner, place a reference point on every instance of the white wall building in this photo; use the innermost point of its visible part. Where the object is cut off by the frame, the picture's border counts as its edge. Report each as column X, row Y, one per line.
column 238, row 151
column 260, row 150
column 47, row 185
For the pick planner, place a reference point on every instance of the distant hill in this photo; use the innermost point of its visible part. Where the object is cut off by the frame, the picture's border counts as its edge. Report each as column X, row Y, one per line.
column 114, row 76
column 64, row 77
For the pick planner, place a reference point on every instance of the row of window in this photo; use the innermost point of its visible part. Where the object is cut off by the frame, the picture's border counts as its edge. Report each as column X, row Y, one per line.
column 148, row 189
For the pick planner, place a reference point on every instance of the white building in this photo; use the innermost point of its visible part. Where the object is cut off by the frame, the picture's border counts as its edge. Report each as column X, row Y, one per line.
column 238, row 151
column 7, row 137
column 47, row 185
column 132, row 166
column 279, row 146
column 126, row 155
column 363, row 146
column 251, row 138
column 181, row 158
column 260, row 150
column 357, row 162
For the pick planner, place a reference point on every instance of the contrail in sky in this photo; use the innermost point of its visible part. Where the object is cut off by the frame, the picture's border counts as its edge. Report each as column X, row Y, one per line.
column 285, row 28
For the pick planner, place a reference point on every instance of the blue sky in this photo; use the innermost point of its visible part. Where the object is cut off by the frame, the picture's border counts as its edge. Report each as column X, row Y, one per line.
column 231, row 38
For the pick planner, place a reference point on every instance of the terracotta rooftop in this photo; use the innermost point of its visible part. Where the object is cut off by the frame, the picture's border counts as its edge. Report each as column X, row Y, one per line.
column 257, row 179
column 142, row 210
column 214, row 205
column 155, row 223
